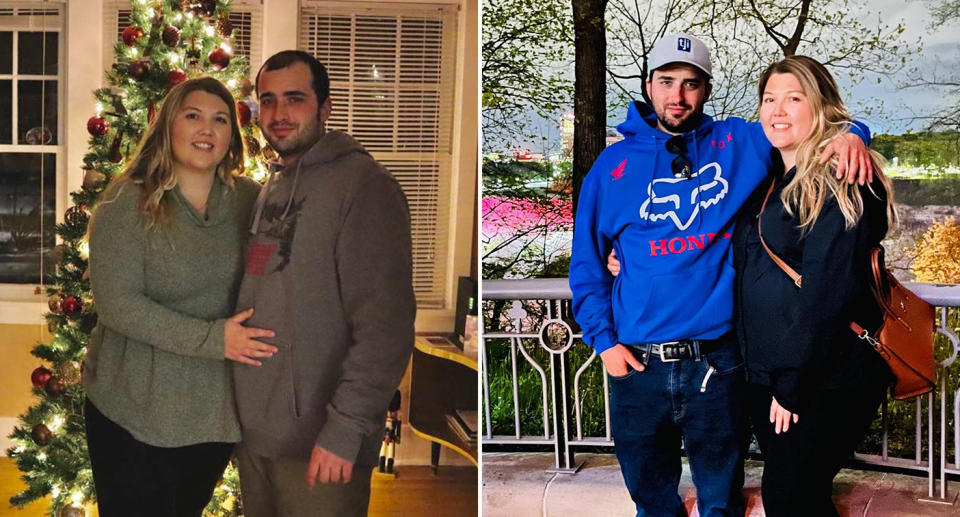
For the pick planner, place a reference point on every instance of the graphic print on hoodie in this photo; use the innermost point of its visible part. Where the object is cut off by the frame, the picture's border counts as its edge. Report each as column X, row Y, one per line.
column 269, row 251
column 671, row 235
column 281, row 222
column 681, row 202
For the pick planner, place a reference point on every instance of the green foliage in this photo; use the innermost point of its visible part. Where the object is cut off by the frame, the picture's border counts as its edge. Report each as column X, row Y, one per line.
column 527, row 45
column 934, row 149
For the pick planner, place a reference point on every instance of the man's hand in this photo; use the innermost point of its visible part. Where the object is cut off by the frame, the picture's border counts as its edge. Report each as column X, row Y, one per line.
column 617, row 358
column 780, row 417
column 853, row 158
column 613, row 265
column 239, row 343
column 327, row 467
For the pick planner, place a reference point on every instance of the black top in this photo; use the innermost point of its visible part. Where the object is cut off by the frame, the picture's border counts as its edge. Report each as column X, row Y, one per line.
column 797, row 340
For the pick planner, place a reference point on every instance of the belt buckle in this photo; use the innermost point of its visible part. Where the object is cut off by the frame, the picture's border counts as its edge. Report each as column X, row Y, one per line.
column 670, row 360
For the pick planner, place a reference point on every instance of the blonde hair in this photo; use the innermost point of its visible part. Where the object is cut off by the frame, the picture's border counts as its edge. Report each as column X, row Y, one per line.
column 804, row 197
column 151, row 166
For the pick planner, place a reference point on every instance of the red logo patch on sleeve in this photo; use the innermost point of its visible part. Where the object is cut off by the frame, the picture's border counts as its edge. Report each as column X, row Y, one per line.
column 618, row 172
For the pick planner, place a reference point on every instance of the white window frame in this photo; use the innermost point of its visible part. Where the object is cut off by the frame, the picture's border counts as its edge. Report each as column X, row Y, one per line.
column 23, row 303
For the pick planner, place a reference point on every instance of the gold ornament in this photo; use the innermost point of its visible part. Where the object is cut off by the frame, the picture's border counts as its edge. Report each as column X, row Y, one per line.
column 71, row 511
column 93, row 178
column 246, row 88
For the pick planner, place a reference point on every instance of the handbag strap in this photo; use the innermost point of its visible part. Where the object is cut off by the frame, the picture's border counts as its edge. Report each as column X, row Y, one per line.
column 797, row 279
column 879, row 271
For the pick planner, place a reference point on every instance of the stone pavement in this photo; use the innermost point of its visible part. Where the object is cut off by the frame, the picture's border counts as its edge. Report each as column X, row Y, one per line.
column 517, row 485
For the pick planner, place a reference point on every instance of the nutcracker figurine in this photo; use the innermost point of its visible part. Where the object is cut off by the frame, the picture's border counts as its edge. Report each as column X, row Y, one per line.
column 391, row 436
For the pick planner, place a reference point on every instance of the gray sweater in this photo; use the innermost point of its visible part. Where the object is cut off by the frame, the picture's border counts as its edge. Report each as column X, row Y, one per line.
column 329, row 268
column 155, row 363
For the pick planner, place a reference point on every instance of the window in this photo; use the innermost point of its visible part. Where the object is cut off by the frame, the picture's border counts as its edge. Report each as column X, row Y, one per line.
column 30, row 139
column 245, row 15
column 391, row 79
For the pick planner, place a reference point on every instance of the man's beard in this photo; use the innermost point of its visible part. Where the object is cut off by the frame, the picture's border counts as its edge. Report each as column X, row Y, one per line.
column 688, row 124
column 301, row 142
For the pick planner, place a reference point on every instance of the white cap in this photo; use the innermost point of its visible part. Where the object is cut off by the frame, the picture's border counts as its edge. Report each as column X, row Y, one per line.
column 680, row 48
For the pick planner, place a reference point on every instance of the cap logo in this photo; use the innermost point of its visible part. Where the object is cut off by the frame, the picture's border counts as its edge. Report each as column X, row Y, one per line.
column 683, row 44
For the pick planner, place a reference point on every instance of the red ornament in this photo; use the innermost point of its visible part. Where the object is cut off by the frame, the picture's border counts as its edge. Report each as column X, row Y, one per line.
column 175, row 77
column 139, row 69
column 55, row 387
column 243, row 113
column 219, row 58
column 70, row 305
column 41, row 435
column 40, row 376
column 171, row 36
column 97, row 125
column 131, row 34
column 76, row 215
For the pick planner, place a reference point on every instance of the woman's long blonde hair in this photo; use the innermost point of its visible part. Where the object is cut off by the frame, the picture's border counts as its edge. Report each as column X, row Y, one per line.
column 804, row 197
column 151, row 166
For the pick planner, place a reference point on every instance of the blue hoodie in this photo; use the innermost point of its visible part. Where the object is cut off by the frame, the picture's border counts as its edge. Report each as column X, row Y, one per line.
column 672, row 236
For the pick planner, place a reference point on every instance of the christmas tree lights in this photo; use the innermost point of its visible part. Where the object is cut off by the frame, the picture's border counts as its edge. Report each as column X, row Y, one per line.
column 167, row 42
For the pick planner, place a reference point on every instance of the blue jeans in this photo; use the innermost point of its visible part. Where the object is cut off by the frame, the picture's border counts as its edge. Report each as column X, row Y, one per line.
column 652, row 410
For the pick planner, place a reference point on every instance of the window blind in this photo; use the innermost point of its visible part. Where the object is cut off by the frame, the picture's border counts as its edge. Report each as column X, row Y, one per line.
column 392, row 84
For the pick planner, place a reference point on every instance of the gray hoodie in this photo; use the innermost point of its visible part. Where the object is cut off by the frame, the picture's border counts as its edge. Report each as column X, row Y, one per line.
column 329, row 268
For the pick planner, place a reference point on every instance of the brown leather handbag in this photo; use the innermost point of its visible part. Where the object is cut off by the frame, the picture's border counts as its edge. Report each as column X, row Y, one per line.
column 904, row 339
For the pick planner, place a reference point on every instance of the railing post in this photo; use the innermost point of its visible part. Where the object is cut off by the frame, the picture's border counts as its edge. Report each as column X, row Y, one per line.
column 940, row 467
column 556, row 336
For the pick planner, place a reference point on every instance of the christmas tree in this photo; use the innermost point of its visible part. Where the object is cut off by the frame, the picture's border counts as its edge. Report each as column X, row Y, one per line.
column 167, row 42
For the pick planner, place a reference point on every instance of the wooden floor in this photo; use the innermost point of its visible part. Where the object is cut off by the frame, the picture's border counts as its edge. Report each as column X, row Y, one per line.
column 414, row 492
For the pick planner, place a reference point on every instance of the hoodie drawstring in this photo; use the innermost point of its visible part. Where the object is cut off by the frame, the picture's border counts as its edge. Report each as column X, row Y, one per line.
column 261, row 200
column 293, row 190
column 695, row 158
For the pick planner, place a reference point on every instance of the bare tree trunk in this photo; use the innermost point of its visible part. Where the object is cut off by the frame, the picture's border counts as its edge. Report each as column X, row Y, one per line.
column 590, row 88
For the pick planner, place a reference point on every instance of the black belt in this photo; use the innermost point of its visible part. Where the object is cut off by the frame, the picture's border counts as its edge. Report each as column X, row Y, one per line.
column 673, row 351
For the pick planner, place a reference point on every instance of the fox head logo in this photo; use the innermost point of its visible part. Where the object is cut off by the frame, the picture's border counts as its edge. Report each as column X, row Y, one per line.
column 681, row 199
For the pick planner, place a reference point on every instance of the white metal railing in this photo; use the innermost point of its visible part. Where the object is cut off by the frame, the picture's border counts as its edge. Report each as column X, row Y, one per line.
column 523, row 315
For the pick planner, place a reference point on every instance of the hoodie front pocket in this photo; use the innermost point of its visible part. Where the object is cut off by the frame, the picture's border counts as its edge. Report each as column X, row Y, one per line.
column 266, row 393
column 685, row 304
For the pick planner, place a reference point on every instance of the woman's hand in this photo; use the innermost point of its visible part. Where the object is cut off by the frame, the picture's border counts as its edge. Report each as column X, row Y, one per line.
column 239, row 343
column 780, row 417
column 613, row 265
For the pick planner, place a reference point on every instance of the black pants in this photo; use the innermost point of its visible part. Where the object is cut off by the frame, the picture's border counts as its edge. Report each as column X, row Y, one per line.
column 799, row 465
column 134, row 478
